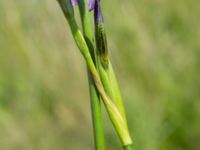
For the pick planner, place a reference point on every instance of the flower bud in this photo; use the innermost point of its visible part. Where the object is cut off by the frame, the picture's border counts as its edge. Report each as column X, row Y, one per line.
column 100, row 34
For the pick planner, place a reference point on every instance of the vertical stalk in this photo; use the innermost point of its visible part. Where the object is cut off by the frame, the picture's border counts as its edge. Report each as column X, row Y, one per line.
column 128, row 147
column 94, row 96
column 115, row 116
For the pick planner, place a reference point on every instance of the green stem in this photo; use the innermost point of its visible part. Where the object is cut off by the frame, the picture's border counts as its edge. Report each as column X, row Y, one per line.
column 94, row 96
column 114, row 114
column 128, row 147
column 112, row 110
column 96, row 115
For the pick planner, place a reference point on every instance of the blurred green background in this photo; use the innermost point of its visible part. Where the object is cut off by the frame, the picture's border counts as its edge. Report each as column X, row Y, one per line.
column 155, row 49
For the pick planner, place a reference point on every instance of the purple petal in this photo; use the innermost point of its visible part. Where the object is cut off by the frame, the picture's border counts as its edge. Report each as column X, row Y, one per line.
column 74, row 2
column 91, row 4
column 98, row 14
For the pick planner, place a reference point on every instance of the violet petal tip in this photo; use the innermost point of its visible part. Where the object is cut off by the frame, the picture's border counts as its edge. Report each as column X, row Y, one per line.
column 74, row 2
column 91, row 4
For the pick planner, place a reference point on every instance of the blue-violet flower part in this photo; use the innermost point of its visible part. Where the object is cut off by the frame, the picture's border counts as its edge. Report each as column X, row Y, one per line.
column 91, row 4
column 74, row 2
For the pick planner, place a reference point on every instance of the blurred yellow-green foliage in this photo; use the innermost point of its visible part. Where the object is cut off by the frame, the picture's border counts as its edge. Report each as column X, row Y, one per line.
column 155, row 49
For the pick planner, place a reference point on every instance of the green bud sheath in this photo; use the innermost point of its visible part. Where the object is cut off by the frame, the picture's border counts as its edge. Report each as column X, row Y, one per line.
column 100, row 36
column 107, row 74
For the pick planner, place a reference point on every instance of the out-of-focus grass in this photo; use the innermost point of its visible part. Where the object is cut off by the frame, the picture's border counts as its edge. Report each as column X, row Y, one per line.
column 155, row 49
